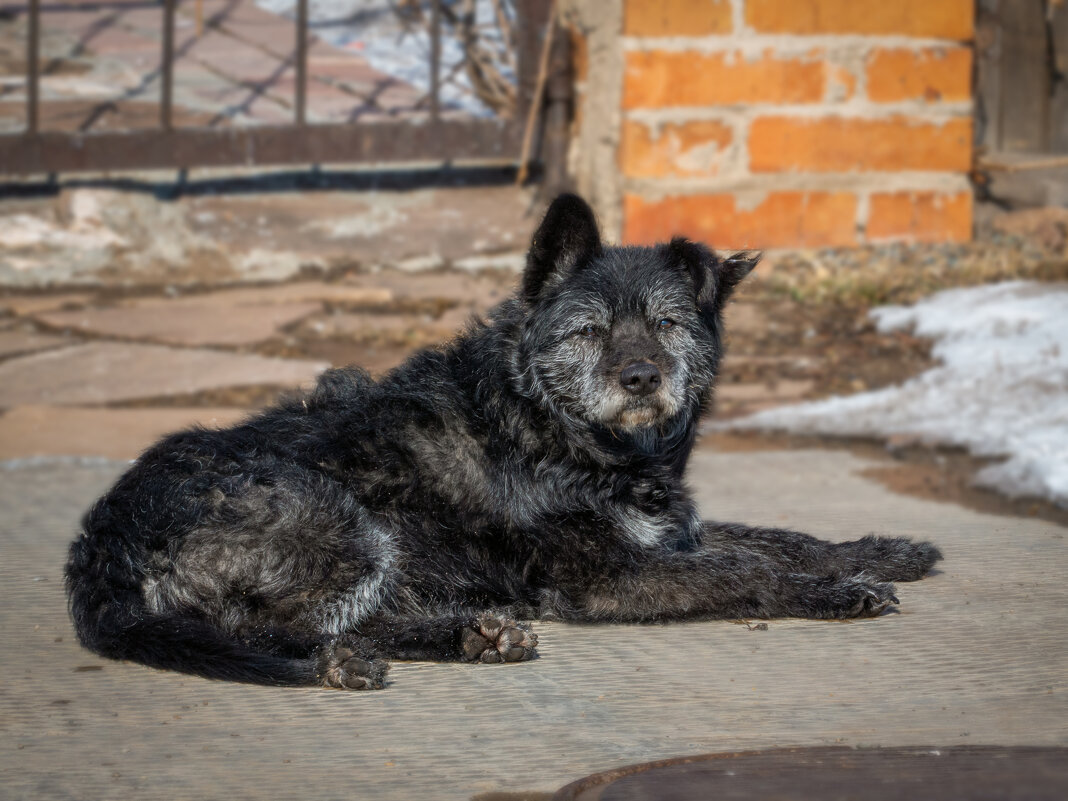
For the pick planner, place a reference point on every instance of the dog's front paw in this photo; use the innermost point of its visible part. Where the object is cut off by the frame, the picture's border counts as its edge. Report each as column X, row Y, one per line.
column 341, row 668
column 872, row 599
column 497, row 639
column 844, row 598
column 861, row 596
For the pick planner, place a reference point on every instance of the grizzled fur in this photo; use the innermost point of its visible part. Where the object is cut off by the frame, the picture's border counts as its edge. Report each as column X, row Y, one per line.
column 532, row 467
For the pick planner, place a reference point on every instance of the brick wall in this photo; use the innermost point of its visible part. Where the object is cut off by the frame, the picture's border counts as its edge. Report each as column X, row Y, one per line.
column 794, row 123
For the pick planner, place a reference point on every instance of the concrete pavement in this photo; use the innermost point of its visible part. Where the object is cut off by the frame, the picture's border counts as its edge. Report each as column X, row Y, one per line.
column 975, row 654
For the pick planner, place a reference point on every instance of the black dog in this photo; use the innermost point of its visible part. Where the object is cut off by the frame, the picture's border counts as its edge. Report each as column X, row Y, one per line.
column 533, row 467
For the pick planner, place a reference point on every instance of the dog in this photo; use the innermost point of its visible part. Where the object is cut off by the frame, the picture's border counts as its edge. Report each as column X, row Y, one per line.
column 531, row 468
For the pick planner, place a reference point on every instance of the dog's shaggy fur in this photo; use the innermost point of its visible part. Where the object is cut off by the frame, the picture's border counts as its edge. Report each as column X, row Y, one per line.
column 533, row 467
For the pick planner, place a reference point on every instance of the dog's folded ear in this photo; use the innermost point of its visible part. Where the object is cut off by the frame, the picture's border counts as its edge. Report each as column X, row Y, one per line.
column 714, row 279
column 566, row 238
column 734, row 268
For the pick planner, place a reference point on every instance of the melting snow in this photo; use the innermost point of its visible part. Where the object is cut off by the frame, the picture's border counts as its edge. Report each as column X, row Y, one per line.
column 1001, row 389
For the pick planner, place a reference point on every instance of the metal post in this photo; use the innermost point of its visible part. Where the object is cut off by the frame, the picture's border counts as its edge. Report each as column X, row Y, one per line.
column 33, row 66
column 435, row 59
column 302, row 62
column 532, row 14
column 556, row 128
column 167, row 66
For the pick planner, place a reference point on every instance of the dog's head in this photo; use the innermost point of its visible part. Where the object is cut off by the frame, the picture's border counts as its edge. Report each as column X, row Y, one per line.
column 624, row 337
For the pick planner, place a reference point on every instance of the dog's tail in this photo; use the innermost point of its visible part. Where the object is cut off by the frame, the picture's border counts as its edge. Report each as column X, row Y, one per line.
column 112, row 620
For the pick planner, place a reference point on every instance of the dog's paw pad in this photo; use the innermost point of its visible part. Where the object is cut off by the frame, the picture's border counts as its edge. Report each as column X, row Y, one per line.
column 495, row 639
column 342, row 669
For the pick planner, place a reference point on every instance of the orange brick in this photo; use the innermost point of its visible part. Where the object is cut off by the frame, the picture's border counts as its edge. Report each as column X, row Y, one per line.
column 834, row 144
column 679, row 149
column 920, row 217
column 782, row 219
column 659, row 78
column 940, row 19
column 932, row 75
column 676, row 17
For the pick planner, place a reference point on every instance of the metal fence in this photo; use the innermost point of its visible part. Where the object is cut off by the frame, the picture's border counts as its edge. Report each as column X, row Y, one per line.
column 428, row 137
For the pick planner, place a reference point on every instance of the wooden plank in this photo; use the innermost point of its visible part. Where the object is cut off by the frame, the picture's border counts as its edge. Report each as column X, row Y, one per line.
column 1059, row 103
column 1025, row 77
column 371, row 142
column 988, row 75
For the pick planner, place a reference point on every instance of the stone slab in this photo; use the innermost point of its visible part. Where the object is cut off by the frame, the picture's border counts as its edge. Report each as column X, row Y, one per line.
column 183, row 322
column 32, row 432
column 480, row 291
column 27, row 305
column 974, row 655
column 106, row 372
column 278, row 294
column 413, row 329
column 17, row 341
column 228, row 317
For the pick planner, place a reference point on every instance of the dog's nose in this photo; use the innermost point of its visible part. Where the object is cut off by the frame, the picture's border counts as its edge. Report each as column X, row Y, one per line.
column 640, row 378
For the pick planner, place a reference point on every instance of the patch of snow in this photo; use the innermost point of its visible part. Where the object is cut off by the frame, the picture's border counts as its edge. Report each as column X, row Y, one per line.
column 274, row 265
column 419, row 264
column 1001, row 389
column 26, row 231
column 378, row 217
column 498, row 261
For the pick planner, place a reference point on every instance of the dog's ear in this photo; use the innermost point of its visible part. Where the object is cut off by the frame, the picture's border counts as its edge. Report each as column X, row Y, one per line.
column 566, row 237
column 733, row 269
column 714, row 279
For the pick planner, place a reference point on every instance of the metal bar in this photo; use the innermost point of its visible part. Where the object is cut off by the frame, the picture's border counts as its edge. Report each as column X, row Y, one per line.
column 435, row 60
column 532, row 16
column 534, row 105
column 373, row 142
column 300, row 105
column 556, row 127
column 167, row 66
column 33, row 67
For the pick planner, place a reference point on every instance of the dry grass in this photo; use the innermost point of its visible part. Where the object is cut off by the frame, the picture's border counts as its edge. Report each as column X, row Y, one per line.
column 876, row 275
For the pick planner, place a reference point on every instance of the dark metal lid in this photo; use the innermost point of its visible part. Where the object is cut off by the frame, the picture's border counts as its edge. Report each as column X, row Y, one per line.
column 986, row 773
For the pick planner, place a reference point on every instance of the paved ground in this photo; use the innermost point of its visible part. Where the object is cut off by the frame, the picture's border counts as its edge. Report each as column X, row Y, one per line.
column 976, row 654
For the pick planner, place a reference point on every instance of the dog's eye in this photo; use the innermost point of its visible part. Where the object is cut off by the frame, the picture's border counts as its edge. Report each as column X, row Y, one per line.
column 665, row 324
column 587, row 331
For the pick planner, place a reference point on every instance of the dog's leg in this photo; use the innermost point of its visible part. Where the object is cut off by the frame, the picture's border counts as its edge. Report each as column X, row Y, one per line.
column 487, row 638
column 882, row 558
column 726, row 580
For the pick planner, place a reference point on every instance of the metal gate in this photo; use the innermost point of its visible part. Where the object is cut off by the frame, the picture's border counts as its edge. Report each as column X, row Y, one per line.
column 431, row 137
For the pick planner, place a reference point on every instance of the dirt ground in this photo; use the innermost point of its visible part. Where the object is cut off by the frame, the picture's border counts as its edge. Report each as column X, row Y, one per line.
column 369, row 276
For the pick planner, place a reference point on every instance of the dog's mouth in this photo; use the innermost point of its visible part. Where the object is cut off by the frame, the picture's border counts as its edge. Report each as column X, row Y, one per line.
column 640, row 416
column 639, row 412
